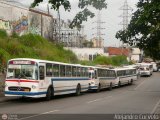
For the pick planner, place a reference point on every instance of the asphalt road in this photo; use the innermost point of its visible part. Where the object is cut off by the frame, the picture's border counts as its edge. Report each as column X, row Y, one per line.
column 143, row 97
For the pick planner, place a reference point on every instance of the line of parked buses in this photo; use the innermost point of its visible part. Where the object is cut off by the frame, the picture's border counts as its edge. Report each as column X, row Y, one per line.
column 40, row 78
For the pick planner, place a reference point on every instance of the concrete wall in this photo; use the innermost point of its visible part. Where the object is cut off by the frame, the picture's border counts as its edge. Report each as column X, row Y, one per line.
column 34, row 23
column 23, row 20
column 84, row 53
column 136, row 55
column 136, row 51
column 135, row 58
column 47, row 25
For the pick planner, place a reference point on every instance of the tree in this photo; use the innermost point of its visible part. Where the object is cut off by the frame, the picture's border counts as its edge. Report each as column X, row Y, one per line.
column 144, row 28
column 83, row 5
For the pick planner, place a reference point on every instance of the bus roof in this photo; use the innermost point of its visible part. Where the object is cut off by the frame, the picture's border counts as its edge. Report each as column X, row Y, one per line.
column 46, row 61
column 124, row 68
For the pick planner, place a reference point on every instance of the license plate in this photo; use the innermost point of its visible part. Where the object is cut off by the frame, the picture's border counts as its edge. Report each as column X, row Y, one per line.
column 27, row 90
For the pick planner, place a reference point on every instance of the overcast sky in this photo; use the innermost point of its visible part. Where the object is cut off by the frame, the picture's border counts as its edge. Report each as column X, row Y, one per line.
column 110, row 16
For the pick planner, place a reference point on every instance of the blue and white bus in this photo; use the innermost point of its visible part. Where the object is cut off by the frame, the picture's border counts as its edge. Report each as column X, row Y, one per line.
column 40, row 78
column 125, row 75
column 102, row 78
column 109, row 78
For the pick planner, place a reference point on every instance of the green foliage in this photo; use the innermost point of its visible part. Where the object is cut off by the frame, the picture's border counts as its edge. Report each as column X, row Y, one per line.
column 85, row 62
column 3, row 34
column 103, row 60
column 14, row 35
column 33, row 46
column 144, row 28
column 119, row 60
column 4, row 56
column 83, row 5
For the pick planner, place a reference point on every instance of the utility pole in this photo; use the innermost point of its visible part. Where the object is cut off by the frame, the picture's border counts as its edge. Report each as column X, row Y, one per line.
column 48, row 9
column 126, row 15
column 125, row 18
column 99, row 29
column 59, row 26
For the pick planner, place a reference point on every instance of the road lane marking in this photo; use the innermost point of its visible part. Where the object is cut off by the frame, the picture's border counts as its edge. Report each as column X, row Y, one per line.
column 99, row 99
column 139, row 85
column 94, row 100
column 38, row 114
column 155, row 107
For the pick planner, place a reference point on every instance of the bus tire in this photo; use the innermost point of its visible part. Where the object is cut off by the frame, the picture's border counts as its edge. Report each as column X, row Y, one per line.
column 49, row 94
column 99, row 88
column 78, row 90
column 111, row 86
column 119, row 84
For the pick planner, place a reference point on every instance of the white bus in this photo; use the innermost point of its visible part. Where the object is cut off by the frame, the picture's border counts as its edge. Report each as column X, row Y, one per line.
column 102, row 78
column 40, row 78
column 125, row 76
column 155, row 67
column 145, row 69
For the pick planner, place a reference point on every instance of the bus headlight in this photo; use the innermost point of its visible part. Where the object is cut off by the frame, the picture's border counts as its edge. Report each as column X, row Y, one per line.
column 33, row 86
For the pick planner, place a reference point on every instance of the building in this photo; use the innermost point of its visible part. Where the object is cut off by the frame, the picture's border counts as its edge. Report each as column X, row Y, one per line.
column 87, row 53
column 98, row 43
column 22, row 20
column 136, row 55
column 132, row 54
column 114, row 51
column 69, row 37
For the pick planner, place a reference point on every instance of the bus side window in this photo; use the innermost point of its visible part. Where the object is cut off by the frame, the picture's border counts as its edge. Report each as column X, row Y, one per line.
column 41, row 72
column 95, row 72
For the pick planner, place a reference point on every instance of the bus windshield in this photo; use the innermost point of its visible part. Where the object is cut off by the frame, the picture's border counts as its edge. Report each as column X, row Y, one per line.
column 22, row 72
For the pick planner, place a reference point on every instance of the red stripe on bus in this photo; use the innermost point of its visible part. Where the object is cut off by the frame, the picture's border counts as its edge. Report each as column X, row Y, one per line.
column 22, row 81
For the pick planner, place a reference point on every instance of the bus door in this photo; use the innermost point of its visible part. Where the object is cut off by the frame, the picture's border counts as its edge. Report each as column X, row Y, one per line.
column 95, row 77
column 42, row 76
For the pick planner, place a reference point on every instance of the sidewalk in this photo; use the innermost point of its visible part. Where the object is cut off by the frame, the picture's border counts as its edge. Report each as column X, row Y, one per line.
column 2, row 97
column 5, row 99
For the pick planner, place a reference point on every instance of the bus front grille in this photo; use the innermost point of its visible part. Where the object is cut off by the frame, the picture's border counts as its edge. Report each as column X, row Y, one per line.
column 14, row 88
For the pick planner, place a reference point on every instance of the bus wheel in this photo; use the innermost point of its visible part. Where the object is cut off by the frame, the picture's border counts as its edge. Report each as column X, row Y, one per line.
column 49, row 94
column 110, row 87
column 99, row 88
column 119, row 84
column 78, row 90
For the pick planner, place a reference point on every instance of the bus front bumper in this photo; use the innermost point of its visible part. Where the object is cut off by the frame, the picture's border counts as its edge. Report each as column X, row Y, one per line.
column 25, row 94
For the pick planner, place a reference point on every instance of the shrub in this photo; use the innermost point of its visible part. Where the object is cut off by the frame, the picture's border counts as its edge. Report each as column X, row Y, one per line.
column 3, row 34
column 102, row 60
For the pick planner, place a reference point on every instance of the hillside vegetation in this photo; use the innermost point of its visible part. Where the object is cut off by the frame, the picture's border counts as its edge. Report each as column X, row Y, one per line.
column 35, row 46
column 32, row 46
column 103, row 60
